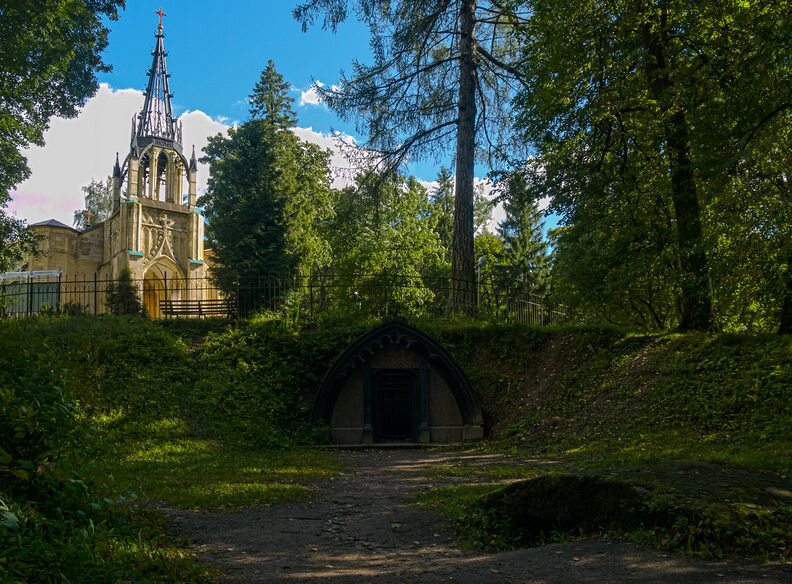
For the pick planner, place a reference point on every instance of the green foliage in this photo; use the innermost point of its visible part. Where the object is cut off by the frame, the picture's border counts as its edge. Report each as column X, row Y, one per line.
column 163, row 459
column 647, row 126
column 16, row 241
column 38, row 422
column 258, row 377
column 441, row 207
column 270, row 100
column 383, row 232
column 441, row 79
column 592, row 392
column 122, row 296
column 268, row 194
column 525, row 265
column 49, row 52
column 98, row 204
column 53, row 521
column 555, row 508
column 134, row 434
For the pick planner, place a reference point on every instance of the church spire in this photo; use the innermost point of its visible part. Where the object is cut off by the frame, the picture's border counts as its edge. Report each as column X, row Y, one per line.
column 156, row 122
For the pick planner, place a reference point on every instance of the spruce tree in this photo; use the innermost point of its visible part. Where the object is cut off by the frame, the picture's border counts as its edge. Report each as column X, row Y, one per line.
column 122, row 296
column 270, row 100
column 442, row 207
column 524, row 262
column 268, row 193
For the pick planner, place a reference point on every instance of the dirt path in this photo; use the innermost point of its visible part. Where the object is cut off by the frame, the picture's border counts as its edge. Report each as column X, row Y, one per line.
column 359, row 528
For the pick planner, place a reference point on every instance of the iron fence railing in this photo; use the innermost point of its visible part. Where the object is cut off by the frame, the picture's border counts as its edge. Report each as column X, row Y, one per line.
column 293, row 296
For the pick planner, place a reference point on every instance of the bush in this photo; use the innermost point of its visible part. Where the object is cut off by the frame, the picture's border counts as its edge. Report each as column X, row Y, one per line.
column 122, row 297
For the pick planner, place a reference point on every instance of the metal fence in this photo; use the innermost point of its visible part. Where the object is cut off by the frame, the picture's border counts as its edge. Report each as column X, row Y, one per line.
column 297, row 297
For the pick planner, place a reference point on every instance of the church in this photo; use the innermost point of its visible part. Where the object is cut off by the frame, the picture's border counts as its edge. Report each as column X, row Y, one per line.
column 155, row 229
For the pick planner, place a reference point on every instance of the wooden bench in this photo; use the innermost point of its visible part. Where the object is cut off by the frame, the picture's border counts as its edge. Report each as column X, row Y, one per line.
column 199, row 308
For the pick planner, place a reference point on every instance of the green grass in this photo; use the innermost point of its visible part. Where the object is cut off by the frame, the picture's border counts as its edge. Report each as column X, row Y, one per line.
column 460, row 505
column 676, row 445
column 163, row 460
column 196, row 414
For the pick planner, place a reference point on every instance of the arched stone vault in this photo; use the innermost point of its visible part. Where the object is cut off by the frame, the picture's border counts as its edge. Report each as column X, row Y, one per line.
column 397, row 368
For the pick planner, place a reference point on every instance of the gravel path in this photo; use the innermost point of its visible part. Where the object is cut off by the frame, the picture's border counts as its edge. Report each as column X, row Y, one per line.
column 359, row 527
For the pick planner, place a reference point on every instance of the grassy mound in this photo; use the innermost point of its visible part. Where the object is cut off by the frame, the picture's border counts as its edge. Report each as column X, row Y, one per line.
column 97, row 413
column 617, row 397
column 699, row 421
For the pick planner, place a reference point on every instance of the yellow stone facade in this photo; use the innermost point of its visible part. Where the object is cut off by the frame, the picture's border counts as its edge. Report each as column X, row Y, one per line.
column 155, row 229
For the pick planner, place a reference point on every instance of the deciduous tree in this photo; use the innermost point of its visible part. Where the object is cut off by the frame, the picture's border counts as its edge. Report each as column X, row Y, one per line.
column 98, row 204
column 383, row 233
column 639, row 105
column 50, row 52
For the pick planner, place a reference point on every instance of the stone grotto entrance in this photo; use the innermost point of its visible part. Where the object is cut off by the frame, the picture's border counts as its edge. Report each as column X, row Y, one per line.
column 396, row 385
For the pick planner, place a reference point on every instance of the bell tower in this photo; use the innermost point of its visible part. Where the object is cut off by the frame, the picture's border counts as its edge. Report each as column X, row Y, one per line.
column 159, row 230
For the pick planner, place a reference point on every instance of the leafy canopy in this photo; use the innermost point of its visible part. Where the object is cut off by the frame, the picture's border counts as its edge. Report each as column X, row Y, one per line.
column 640, row 114
column 441, row 79
column 98, row 204
column 50, row 52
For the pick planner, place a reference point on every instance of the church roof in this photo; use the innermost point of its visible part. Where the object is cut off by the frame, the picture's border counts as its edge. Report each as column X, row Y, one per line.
column 53, row 223
column 156, row 123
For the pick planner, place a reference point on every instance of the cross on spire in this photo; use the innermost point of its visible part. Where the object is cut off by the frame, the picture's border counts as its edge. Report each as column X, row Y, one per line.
column 161, row 14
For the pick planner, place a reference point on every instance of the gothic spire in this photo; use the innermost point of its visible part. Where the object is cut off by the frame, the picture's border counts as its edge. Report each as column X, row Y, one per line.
column 155, row 123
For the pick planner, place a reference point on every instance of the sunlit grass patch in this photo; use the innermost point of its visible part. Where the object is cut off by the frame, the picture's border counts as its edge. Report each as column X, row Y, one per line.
column 149, row 551
column 161, row 460
column 675, row 445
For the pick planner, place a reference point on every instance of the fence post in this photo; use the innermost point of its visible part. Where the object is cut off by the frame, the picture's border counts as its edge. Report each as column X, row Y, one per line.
column 96, row 294
column 30, row 295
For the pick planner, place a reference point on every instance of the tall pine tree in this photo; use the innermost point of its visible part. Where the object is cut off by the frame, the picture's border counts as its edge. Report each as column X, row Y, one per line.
column 441, row 80
column 270, row 100
column 268, row 193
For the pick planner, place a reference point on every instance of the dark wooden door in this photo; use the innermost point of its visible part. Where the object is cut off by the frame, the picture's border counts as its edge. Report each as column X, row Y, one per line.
column 395, row 406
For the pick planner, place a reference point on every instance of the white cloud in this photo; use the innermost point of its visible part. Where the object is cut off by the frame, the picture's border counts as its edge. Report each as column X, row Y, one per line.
column 311, row 96
column 84, row 148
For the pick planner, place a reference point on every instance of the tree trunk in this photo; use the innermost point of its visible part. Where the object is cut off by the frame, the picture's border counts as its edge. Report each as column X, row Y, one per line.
column 462, row 298
column 695, row 302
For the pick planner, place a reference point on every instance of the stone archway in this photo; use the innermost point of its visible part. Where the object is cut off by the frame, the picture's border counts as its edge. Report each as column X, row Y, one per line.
column 162, row 281
column 153, row 292
column 395, row 384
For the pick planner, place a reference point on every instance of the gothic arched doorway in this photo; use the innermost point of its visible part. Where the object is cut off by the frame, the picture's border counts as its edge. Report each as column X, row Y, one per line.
column 162, row 281
column 153, row 292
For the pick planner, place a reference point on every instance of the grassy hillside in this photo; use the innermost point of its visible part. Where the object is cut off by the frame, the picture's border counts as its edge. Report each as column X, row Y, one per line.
column 97, row 414
column 699, row 424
